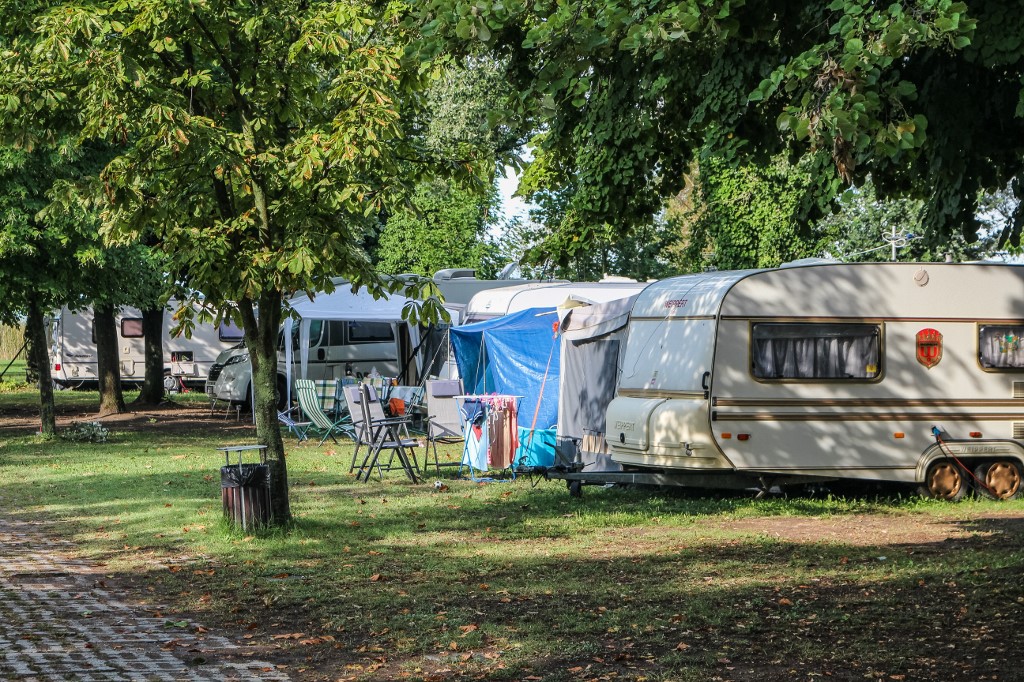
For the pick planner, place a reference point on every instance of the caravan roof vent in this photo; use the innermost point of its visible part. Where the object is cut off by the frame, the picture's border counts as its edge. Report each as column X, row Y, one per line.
column 454, row 273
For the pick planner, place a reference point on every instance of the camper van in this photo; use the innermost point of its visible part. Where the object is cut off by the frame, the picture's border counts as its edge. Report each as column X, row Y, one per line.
column 493, row 303
column 363, row 334
column 187, row 360
column 337, row 335
column 898, row 372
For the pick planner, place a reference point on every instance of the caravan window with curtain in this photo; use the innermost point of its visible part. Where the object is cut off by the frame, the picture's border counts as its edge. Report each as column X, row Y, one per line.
column 821, row 351
column 1001, row 346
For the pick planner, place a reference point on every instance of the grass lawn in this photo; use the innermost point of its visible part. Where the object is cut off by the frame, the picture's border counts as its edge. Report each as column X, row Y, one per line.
column 387, row 580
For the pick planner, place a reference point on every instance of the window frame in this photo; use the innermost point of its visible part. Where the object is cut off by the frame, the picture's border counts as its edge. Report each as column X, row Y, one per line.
column 229, row 339
column 879, row 326
column 1018, row 324
column 356, row 342
column 142, row 330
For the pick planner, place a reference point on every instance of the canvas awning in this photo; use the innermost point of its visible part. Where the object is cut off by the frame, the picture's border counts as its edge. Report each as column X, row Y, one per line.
column 343, row 304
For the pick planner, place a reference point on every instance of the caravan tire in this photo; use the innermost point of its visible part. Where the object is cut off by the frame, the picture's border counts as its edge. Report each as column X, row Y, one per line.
column 946, row 480
column 575, row 488
column 1000, row 480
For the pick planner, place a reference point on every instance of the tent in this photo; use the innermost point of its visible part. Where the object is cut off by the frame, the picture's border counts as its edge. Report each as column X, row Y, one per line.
column 592, row 338
column 344, row 304
column 518, row 355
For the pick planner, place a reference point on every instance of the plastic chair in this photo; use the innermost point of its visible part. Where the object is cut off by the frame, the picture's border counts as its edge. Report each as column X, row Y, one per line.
column 444, row 425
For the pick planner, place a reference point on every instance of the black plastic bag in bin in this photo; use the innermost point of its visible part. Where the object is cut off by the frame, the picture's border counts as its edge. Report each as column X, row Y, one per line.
column 245, row 492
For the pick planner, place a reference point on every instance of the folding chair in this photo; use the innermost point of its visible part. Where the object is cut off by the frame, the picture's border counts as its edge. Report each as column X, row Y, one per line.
column 443, row 423
column 297, row 429
column 362, row 433
column 327, row 390
column 385, row 434
column 309, row 402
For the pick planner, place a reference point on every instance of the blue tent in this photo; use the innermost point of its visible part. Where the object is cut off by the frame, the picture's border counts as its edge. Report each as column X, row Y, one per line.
column 512, row 355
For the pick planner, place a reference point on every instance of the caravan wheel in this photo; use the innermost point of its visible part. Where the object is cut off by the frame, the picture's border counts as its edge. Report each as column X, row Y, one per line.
column 946, row 481
column 575, row 488
column 1001, row 479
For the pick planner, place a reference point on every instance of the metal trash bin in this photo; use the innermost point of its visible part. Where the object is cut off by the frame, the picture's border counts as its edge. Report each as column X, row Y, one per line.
column 245, row 489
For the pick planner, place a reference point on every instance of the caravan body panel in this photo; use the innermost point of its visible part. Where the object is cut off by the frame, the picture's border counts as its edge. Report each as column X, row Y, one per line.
column 827, row 370
column 187, row 359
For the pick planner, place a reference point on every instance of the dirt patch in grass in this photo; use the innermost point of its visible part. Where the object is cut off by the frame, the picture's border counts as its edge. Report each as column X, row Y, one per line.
column 876, row 529
column 171, row 417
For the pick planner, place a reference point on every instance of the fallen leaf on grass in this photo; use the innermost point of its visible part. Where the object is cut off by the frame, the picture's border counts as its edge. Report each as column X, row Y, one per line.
column 785, row 602
column 682, row 646
column 375, row 577
column 281, row 576
column 466, row 629
column 290, row 635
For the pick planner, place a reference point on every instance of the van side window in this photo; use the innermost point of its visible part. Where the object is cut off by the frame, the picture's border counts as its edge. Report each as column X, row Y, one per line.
column 131, row 328
column 316, row 328
column 1001, row 346
column 816, row 351
column 365, row 332
column 227, row 331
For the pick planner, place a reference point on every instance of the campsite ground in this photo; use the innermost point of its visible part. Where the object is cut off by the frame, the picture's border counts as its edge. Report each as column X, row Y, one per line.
column 516, row 580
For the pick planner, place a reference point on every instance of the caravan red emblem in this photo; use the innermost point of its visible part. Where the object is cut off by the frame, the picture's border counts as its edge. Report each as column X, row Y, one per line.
column 929, row 347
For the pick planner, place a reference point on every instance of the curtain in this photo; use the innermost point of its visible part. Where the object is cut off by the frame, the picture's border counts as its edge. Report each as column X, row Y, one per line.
column 815, row 351
column 1001, row 347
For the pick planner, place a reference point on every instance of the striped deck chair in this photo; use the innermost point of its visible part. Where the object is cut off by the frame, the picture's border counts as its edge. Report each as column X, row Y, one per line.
column 309, row 402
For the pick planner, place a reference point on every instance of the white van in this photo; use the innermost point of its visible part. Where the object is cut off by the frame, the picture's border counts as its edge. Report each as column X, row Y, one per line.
column 884, row 371
column 187, row 361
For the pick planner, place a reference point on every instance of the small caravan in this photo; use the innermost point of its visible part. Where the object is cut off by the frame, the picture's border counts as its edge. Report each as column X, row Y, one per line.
column 897, row 372
column 187, row 360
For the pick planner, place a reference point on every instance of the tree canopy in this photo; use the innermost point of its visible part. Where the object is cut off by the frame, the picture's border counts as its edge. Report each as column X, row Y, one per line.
column 257, row 143
column 924, row 96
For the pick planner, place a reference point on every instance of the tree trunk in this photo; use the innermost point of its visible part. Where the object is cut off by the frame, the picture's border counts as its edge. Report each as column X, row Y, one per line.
column 35, row 334
column 107, row 369
column 153, row 384
column 261, row 342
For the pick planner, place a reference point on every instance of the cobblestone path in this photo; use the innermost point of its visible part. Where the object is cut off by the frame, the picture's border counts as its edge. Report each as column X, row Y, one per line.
column 58, row 622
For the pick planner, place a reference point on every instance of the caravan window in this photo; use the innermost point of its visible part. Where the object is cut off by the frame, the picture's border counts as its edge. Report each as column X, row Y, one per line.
column 131, row 328
column 368, row 332
column 227, row 331
column 1001, row 346
column 823, row 351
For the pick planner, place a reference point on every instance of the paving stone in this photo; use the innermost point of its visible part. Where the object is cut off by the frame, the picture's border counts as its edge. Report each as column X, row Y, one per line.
column 56, row 624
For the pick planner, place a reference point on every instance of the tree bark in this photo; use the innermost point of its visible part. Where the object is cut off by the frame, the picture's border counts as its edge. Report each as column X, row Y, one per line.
column 107, row 369
column 152, row 392
column 35, row 334
column 261, row 342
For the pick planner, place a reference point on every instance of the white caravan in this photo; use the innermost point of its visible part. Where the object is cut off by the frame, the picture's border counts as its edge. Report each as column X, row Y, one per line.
column 829, row 371
column 187, row 361
column 493, row 303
